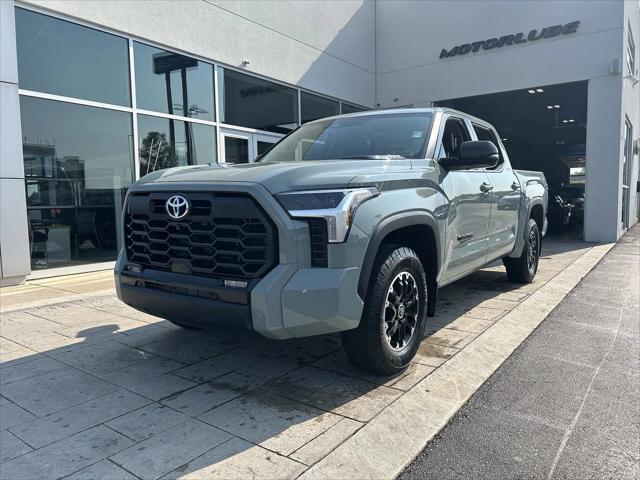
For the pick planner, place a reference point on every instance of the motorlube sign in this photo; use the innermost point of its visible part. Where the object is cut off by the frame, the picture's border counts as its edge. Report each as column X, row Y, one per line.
column 513, row 39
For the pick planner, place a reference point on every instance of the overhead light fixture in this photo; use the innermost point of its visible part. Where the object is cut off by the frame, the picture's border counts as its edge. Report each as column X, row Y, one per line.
column 531, row 91
column 539, row 90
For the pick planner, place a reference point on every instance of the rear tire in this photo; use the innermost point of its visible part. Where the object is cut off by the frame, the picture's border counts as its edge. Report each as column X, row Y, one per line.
column 392, row 323
column 523, row 269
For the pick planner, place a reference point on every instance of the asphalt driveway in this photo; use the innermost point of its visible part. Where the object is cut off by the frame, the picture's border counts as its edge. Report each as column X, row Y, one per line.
column 565, row 404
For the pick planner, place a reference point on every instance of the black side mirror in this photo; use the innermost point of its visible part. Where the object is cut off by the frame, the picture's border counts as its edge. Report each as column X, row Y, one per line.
column 475, row 154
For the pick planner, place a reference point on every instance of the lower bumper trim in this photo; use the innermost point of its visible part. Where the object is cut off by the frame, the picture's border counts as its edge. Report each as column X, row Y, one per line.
column 191, row 311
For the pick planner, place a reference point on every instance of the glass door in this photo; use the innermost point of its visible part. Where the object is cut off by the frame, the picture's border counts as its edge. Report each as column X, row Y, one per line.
column 626, row 173
column 263, row 142
column 238, row 146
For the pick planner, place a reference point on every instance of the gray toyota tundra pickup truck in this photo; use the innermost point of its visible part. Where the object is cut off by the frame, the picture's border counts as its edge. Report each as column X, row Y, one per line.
column 348, row 224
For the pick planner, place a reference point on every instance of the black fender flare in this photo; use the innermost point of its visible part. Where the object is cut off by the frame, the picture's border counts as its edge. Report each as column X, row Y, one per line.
column 389, row 225
column 534, row 202
column 522, row 231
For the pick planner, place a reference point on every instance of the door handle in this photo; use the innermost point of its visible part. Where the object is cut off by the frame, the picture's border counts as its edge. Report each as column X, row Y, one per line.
column 515, row 186
column 486, row 187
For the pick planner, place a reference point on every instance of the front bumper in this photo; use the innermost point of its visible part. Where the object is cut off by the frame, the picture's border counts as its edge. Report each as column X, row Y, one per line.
column 287, row 303
column 291, row 300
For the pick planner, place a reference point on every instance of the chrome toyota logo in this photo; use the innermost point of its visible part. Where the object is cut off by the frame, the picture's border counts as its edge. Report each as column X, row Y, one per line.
column 177, row 207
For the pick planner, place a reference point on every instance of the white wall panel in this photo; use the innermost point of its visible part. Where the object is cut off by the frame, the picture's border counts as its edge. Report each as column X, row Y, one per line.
column 409, row 46
column 14, row 239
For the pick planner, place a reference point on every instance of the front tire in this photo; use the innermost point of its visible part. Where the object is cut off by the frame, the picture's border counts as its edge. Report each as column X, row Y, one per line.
column 523, row 269
column 392, row 323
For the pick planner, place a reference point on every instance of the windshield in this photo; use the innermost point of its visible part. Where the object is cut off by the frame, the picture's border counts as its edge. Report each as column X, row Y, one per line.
column 401, row 135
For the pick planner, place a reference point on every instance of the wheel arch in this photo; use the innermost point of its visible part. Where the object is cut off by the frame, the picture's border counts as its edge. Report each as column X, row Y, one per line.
column 408, row 229
column 534, row 208
column 536, row 211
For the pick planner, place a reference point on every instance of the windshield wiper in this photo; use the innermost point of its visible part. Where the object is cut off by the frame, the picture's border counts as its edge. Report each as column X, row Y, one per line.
column 372, row 157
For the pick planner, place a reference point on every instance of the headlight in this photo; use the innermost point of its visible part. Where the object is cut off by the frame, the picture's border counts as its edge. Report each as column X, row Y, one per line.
column 337, row 207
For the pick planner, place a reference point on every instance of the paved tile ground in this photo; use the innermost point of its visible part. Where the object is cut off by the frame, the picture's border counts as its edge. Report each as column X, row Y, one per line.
column 91, row 388
column 565, row 404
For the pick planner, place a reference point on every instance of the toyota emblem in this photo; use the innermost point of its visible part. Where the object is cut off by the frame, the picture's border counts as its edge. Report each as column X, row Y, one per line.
column 177, row 207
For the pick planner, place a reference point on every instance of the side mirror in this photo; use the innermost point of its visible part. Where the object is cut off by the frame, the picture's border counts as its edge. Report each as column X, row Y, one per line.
column 476, row 154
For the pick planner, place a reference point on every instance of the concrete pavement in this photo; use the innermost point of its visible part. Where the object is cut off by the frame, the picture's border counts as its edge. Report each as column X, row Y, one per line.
column 94, row 389
column 565, row 405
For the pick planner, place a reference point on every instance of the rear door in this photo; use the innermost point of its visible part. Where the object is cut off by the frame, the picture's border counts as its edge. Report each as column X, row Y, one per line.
column 505, row 199
column 469, row 204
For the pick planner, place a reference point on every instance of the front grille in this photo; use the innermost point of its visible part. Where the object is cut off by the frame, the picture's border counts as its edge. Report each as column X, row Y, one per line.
column 224, row 235
column 319, row 239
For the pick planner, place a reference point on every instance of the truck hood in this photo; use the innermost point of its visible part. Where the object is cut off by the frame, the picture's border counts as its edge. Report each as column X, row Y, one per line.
column 282, row 176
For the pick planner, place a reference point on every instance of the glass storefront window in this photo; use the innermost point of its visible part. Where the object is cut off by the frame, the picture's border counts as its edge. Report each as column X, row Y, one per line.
column 255, row 103
column 165, row 143
column 313, row 107
column 172, row 83
column 78, row 165
column 348, row 108
column 62, row 58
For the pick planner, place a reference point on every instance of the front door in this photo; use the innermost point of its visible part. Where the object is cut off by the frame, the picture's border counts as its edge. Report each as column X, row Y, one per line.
column 469, row 206
column 505, row 200
column 238, row 146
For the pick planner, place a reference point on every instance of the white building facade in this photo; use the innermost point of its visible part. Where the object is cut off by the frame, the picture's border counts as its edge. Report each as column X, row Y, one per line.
column 96, row 94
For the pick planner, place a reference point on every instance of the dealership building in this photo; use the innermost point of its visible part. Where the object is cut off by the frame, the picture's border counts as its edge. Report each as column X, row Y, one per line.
column 95, row 94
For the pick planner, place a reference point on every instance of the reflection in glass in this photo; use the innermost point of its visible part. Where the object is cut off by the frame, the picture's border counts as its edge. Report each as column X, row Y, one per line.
column 256, row 103
column 314, row 107
column 59, row 57
column 78, row 165
column 172, row 83
column 365, row 137
column 165, row 143
column 347, row 108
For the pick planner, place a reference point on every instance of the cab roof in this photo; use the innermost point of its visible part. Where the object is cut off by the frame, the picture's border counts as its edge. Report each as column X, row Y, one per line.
column 391, row 111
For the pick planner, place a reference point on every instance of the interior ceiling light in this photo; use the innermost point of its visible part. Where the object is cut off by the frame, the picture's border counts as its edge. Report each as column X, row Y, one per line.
column 539, row 90
column 531, row 91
